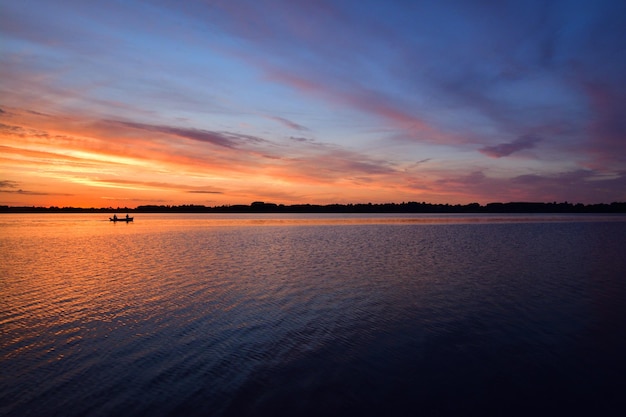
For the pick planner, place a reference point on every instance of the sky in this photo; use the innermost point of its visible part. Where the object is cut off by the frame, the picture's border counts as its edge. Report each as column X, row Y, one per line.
column 127, row 103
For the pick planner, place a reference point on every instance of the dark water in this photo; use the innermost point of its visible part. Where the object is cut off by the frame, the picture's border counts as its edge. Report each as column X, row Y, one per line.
column 319, row 316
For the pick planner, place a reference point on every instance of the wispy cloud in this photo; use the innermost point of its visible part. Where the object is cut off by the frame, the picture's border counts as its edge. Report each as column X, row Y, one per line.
column 13, row 187
column 26, row 192
column 593, row 185
column 7, row 184
column 586, row 186
column 215, row 138
column 506, row 149
column 363, row 99
column 165, row 186
column 300, row 139
column 288, row 123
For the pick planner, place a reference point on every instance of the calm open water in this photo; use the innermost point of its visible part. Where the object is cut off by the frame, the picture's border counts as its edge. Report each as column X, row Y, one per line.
column 295, row 315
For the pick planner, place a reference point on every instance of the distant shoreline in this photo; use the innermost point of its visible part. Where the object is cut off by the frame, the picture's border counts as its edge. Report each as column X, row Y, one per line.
column 410, row 207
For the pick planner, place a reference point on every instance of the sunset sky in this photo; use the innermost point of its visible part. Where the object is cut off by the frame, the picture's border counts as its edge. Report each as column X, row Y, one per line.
column 126, row 103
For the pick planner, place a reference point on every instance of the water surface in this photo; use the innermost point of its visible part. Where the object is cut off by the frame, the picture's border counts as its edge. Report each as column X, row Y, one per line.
column 220, row 315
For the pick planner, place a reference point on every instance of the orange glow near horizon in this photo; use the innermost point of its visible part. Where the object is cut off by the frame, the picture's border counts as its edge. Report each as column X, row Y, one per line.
column 69, row 160
column 73, row 162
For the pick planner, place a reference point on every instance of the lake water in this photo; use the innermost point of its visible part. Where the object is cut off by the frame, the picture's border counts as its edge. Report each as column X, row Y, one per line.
column 320, row 315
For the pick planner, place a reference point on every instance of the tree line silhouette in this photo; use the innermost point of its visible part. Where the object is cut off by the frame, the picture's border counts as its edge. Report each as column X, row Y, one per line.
column 408, row 207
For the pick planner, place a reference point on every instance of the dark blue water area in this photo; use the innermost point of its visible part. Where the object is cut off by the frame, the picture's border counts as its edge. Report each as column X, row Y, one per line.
column 368, row 320
column 532, row 327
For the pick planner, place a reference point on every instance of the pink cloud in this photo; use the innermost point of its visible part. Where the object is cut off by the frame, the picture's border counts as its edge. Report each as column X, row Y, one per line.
column 362, row 99
column 607, row 127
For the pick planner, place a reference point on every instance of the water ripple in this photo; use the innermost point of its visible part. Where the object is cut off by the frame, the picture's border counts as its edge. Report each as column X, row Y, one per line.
column 284, row 318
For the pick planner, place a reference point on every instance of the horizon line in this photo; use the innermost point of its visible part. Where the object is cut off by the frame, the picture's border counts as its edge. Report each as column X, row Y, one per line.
column 302, row 207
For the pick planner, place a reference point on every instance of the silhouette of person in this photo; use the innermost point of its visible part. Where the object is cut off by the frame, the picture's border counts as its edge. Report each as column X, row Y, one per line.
column 115, row 217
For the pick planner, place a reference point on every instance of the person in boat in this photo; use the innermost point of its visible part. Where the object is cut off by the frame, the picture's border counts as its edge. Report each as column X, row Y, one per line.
column 126, row 216
column 115, row 217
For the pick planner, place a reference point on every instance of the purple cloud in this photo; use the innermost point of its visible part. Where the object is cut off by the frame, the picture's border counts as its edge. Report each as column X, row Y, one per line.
column 585, row 186
column 11, row 187
column 224, row 139
column 8, row 184
column 288, row 123
column 301, row 139
column 506, row 149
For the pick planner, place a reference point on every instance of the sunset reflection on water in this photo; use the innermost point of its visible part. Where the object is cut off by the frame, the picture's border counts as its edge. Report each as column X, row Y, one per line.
column 270, row 315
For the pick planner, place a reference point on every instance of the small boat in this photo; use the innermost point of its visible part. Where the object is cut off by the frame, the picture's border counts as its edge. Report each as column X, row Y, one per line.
column 121, row 219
